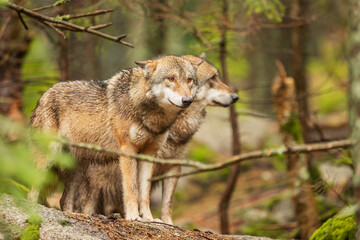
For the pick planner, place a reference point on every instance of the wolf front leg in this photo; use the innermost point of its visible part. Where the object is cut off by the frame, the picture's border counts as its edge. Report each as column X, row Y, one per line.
column 146, row 171
column 128, row 168
column 168, row 190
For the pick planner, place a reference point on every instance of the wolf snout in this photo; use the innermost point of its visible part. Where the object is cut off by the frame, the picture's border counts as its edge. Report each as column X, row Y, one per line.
column 234, row 97
column 186, row 101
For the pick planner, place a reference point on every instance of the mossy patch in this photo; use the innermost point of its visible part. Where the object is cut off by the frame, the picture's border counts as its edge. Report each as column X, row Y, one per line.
column 293, row 128
column 337, row 228
column 31, row 231
column 65, row 223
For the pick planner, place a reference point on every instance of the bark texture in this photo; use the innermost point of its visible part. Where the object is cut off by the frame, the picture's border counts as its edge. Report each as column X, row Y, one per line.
column 236, row 147
column 354, row 58
column 14, row 45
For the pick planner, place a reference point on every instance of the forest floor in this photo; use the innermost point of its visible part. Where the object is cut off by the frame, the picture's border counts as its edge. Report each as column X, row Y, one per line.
column 259, row 189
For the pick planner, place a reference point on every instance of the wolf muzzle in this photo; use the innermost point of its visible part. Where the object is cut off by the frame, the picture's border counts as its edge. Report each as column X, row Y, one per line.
column 186, row 101
column 234, row 97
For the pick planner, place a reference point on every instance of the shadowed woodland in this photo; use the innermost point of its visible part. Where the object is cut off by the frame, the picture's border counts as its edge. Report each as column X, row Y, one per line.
column 282, row 162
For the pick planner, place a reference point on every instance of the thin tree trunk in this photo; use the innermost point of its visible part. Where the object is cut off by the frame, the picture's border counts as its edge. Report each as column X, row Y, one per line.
column 14, row 45
column 298, row 39
column 63, row 59
column 157, row 28
column 354, row 33
column 303, row 197
column 236, row 149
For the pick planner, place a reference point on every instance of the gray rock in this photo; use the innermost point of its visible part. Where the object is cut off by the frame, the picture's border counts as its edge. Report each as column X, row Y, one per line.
column 15, row 212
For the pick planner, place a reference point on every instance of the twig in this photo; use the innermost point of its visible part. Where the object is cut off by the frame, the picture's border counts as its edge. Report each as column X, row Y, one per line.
column 42, row 8
column 140, row 157
column 100, row 26
column 95, row 13
column 62, row 34
column 58, row 3
column 96, row 27
column 22, row 21
column 201, row 167
column 42, row 18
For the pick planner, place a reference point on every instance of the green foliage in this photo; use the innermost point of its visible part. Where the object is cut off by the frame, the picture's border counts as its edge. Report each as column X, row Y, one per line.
column 190, row 225
column 18, row 146
column 3, row 2
column 62, row 17
column 293, row 128
column 35, row 220
column 337, row 228
column 329, row 73
column 201, row 153
column 272, row 9
column 65, row 223
column 279, row 163
column 60, row 2
column 258, row 228
column 31, row 231
column 344, row 160
column 325, row 207
column 39, row 70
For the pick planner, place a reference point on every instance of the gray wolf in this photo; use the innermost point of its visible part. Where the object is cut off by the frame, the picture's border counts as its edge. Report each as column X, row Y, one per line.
column 131, row 112
column 95, row 191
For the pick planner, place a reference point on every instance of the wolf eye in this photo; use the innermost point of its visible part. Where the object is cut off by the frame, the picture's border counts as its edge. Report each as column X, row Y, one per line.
column 190, row 80
column 171, row 79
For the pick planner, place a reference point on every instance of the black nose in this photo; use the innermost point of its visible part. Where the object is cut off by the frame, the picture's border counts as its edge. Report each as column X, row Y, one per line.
column 234, row 97
column 187, row 101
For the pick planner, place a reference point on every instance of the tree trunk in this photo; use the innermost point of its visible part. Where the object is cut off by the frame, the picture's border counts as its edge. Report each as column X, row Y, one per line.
column 298, row 41
column 236, row 149
column 354, row 58
column 14, row 45
column 297, row 170
column 156, row 28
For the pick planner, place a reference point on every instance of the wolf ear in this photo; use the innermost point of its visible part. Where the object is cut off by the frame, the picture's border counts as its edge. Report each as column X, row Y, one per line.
column 148, row 66
column 203, row 56
column 196, row 62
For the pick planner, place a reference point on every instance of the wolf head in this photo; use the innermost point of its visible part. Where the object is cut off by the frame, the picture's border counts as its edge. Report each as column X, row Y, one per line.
column 172, row 80
column 211, row 89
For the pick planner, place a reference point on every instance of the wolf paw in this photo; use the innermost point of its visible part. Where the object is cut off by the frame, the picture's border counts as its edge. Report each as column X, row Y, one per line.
column 157, row 220
column 138, row 218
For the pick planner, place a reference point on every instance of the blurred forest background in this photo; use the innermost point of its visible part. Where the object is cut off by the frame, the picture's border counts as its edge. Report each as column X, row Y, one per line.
column 241, row 38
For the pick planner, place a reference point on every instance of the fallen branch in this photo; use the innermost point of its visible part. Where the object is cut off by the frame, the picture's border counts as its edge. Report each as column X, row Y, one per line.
column 201, row 167
column 59, row 23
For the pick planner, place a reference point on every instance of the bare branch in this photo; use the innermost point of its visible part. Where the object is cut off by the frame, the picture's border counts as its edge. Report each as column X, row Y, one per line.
column 95, row 13
column 22, row 21
column 42, row 18
column 101, row 26
column 62, row 34
column 305, row 148
column 42, row 8
column 201, row 167
column 57, row 3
